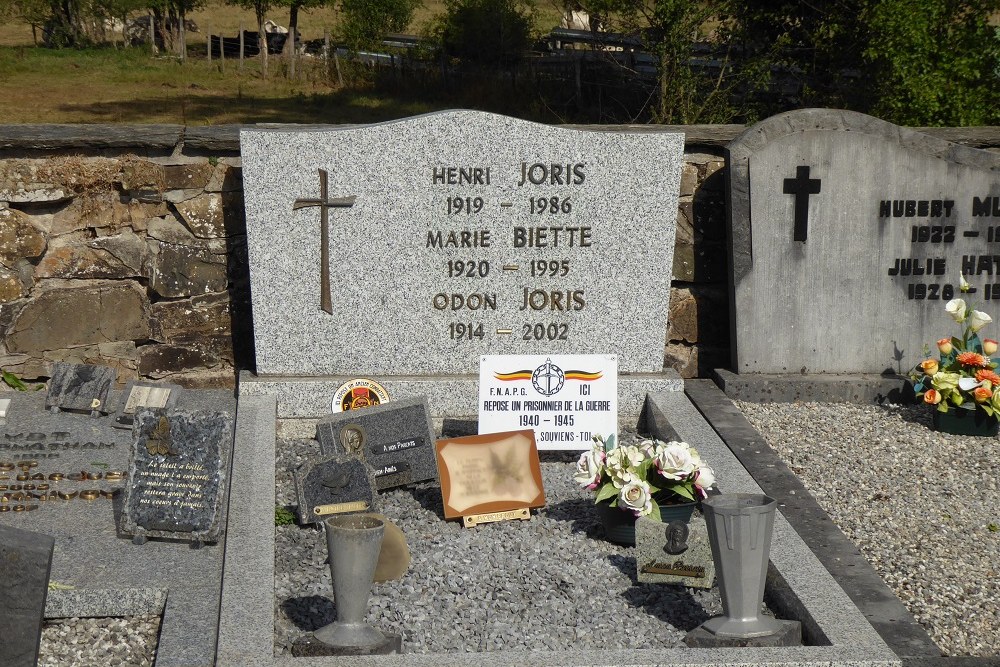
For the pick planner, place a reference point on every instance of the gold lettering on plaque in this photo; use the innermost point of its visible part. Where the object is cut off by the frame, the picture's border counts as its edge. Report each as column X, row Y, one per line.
column 523, row 514
column 677, row 568
column 340, row 508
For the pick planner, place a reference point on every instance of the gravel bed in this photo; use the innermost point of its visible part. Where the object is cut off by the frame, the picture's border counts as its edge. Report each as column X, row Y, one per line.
column 922, row 506
column 99, row 642
column 548, row 584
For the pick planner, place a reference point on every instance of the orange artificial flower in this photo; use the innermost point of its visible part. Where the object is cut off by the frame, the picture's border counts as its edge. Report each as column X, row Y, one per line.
column 988, row 376
column 981, row 394
column 944, row 345
column 973, row 359
column 930, row 366
column 932, row 396
column 990, row 346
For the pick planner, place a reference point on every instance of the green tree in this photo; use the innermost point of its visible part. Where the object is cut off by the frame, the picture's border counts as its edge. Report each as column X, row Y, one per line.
column 365, row 23
column 936, row 61
column 491, row 33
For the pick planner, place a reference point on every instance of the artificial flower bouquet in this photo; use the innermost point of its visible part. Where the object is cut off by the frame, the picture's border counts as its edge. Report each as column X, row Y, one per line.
column 963, row 377
column 640, row 478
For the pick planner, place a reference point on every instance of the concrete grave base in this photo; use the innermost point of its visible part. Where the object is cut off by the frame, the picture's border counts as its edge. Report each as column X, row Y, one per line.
column 790, row 634
column 813, row 387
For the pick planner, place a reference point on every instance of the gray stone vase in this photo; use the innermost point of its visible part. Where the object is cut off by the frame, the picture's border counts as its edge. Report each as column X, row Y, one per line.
column 739, row 529
column 354, row 542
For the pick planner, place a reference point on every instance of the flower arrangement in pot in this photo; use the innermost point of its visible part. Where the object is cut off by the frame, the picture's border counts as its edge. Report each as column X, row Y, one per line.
column 662, row 480
column 962, row 384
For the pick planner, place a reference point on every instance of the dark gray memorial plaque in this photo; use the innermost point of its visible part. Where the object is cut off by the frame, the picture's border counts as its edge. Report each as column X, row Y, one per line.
column 335, row 484
column 396, row 439
column 25, row 563
column 80, row 387
column 177, row 475
column 139, row 394
column 677, row 552
column 849, row 235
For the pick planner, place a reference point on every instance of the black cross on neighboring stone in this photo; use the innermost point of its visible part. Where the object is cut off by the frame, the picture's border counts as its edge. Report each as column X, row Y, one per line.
column 801, row 186
column 324, row 203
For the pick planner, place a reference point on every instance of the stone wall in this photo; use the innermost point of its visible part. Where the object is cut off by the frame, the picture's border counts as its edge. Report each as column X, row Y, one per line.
column 126, row 246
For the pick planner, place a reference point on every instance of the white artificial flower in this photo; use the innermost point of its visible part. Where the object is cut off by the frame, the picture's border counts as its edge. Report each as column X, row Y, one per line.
column 588, row 469
column 978, row 320
column 635, row 456
column 967, row 383
column 636, row 496
column 705, row 479
column 963, row 284
column 675, row 461
column 956, row 308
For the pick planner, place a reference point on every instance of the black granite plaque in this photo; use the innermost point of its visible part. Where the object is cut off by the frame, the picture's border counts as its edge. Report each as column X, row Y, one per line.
column 334, row 484
column 25, row 563
column 177, row 475
column 396, row 439
column 79, row 387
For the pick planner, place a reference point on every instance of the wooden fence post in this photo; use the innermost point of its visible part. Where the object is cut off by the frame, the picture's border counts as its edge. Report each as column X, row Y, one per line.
column 241, row 46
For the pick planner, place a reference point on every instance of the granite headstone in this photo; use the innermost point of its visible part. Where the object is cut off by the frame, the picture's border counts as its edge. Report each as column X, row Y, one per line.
column 396, row 439
column 178, row 475
column 79, row 387
column 676, row 552
column 452, row 235
column 849, row 235
column 25, row 563
column 334, row 484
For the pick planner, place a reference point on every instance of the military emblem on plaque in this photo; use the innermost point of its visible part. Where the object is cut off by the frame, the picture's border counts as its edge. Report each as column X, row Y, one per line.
column 358, row 393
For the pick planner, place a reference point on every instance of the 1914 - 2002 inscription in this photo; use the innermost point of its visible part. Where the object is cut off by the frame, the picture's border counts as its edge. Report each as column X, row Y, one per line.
column 549, row 209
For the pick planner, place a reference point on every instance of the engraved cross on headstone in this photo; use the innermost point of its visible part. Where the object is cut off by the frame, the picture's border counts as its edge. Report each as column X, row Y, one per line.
column 324, row 203
column 801, row 186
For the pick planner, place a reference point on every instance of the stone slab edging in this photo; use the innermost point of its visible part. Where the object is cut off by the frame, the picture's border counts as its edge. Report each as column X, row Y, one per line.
column 835, row 551
column 250, row 564
column 226, row 138
column 814, row 388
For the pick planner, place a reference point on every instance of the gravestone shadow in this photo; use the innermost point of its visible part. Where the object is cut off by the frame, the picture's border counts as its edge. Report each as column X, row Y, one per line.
column 674, row 605
column 310, row 612
column 428, row 496
column 579, row 513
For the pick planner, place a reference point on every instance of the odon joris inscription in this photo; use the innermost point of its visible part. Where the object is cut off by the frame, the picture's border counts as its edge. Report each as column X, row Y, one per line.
column 555, row 208
column 936, row 227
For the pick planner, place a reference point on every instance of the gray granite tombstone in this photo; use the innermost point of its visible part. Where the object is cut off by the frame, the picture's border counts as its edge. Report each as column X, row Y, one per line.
column 332, row 485
column 849, row 235
column 25, row 563
column 79, row 388
column 396, row 439
column 674, row 553
column 403, row 251
column 178, row 475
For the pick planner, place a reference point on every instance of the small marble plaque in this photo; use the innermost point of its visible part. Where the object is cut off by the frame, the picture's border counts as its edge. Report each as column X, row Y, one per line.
column 4, row 407
column 177, row 475
column 140, row 394
column 396, row 439
column 335, row 484
column 486, row 474
column 79, row 387
column 25, row 564
column 677, row 552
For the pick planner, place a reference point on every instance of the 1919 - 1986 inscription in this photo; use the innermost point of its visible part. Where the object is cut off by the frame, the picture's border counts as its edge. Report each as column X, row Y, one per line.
column 553, row 210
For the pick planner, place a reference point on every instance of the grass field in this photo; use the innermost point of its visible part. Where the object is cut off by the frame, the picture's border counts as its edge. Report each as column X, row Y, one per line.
column 115, row 85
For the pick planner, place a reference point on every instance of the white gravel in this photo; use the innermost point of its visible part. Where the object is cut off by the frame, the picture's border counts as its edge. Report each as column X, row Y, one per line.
column 922, row 506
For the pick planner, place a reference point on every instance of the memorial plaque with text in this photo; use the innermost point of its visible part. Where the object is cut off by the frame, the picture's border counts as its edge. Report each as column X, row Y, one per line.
column 414, row 247
column 177, row 475
column 849, row 235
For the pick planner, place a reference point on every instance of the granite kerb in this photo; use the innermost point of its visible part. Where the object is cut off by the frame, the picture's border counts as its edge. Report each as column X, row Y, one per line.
column 852, row 641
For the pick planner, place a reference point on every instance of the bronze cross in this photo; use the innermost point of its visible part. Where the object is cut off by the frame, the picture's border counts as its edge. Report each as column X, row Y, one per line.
column 324, row 203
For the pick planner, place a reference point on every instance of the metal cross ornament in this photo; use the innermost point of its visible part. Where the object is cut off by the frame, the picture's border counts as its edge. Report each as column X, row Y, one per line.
column 324, row 203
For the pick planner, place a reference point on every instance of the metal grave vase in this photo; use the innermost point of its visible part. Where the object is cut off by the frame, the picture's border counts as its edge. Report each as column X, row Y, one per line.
column 739, row 530
column 354, row 541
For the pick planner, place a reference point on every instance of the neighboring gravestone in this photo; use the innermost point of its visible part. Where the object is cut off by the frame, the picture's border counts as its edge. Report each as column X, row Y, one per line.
column 396, row 439
column 177, row 475
column 404, row 251
column 25, row 563
column 335, row 484
column 677, row 552
column 79, row 387
column 849, row 235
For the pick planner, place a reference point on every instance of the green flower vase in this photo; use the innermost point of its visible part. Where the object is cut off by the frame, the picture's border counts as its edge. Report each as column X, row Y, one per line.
column 619, row 525
column 966, row 422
